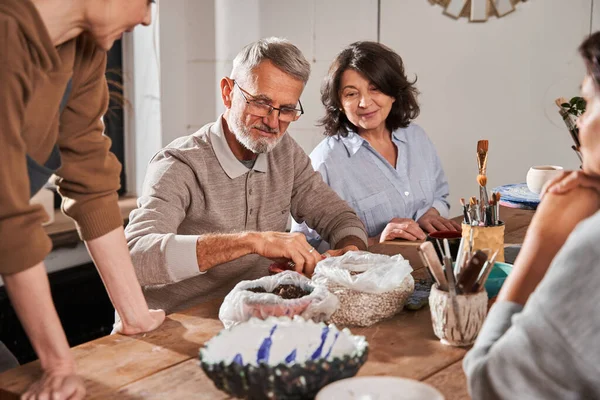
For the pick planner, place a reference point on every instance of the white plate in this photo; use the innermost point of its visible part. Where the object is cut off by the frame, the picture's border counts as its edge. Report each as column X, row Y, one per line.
column 378, row 388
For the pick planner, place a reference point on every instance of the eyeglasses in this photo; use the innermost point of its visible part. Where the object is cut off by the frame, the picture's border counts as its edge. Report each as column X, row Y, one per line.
column 262, row 109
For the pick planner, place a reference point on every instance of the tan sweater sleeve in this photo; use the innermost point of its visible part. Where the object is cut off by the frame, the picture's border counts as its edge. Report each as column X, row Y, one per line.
column 89, row 175
column 316, row 203
column 23, row 241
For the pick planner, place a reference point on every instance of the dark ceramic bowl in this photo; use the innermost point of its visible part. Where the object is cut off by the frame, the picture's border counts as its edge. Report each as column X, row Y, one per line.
column 281, row 358
column 453, row 242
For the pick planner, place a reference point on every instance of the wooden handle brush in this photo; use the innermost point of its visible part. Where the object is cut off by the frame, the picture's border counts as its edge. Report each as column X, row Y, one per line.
column 482, row 152
column 465, row 212
column 473, row 210
column 483, row 196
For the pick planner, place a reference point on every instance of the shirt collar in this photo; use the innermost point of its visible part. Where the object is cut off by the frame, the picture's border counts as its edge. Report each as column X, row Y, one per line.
column 353, row 141
column 229, row 162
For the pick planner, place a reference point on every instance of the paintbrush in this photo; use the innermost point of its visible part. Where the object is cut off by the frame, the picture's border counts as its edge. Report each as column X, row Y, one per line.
column 469, row 275
column 485, row 273
column 465, row 212
column 473, row 209
column 482, row 181
column 426, row 265
column 434, row 265
column 482, row 155
column 452, row 290
column 497, row 208
column 490, row 212
column 482, row 151
column 459, row 256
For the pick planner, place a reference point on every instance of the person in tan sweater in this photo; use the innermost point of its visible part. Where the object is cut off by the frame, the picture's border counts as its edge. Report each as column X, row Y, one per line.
column 54, row 94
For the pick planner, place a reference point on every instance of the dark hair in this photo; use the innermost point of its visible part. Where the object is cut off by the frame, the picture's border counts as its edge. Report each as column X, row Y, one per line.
column 381, row 66
column 590, row 51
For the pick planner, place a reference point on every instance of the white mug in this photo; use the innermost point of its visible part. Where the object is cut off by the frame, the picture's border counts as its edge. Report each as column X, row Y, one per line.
column 537, row 176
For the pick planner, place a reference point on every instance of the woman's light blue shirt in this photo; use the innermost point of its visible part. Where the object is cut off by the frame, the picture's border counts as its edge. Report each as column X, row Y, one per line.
column 375, row 189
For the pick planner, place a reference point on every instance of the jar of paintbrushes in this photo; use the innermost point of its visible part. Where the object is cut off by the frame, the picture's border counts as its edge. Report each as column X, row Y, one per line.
column 481, row 224
column 458, row 300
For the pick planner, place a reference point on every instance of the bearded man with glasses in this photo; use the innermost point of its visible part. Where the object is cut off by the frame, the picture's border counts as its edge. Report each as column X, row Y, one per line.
column 215, row 204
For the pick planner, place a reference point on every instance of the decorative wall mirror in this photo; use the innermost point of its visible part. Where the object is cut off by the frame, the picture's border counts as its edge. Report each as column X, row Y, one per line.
column 477, row 10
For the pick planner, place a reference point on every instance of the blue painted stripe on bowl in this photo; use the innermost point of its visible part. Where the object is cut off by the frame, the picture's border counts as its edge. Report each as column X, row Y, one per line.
column 238, row 359
column 319, row 350
column 265, row 347
column 291, row 357
column 332, row 344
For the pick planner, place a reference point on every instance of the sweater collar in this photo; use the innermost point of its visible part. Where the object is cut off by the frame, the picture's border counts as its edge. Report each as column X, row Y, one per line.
column 229, row 162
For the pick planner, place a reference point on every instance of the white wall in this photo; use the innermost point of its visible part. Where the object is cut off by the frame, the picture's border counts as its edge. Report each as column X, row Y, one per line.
column 217, row 31
column 495, row 80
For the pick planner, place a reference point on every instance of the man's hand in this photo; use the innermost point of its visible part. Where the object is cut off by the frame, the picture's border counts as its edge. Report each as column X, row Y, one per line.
column 283, row 247
column 340, row 252
column 569, row 180
column 57, row 383
column 150, row 322
column 432, row 221
column 402, row 228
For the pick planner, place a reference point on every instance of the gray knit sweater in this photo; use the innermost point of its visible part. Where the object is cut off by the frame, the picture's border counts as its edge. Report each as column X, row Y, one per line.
column 551, row 348
column 197, row 186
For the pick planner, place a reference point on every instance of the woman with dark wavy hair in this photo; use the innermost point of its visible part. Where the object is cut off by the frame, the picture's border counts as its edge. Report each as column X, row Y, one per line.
column 540, row 338
column 374, row 157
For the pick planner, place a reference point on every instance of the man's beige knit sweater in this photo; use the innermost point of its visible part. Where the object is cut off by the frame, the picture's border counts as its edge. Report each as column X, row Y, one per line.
column 197, row 186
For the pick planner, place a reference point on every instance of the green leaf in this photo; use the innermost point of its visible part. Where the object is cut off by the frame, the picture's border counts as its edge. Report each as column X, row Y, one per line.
column 565, row 105
column 573, row 101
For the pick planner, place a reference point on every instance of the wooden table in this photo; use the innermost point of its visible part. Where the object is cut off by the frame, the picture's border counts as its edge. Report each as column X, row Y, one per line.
column 164, row 364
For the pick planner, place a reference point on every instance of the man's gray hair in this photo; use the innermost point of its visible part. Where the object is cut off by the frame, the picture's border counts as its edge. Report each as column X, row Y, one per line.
column 281, row 52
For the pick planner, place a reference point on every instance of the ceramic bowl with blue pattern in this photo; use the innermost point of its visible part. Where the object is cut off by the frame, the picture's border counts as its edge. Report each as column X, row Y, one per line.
column 281, row 358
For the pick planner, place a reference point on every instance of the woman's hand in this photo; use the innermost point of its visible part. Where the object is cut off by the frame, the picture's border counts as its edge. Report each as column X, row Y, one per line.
column 57, row 383
column 149, row 323
column 432, row 221
column 569, row 180
column 402, row 228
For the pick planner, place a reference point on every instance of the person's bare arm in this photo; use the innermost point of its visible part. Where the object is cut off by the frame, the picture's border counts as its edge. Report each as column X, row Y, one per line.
column 29, row 293
column 553, row 222
column 111, row 256
column 215, row 249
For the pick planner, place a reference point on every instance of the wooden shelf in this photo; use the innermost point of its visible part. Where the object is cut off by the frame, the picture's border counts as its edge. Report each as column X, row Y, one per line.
column 63, row 232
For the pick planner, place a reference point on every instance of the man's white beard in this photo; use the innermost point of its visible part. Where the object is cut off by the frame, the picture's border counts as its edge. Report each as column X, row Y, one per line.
column 243, row 135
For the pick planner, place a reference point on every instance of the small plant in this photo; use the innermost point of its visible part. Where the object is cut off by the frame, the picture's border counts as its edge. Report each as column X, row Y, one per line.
column 570, row 111
column 575, row 106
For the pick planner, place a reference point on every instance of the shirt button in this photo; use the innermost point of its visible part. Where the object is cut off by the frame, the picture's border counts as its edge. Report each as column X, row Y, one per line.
column 250, row 191
column 250, row 211
column 406, row 193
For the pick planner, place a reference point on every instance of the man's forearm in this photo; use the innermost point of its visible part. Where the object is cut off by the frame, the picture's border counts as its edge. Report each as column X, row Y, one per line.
column 216, row 249
column 111, row 256
column 29, row 292
column 351, row 241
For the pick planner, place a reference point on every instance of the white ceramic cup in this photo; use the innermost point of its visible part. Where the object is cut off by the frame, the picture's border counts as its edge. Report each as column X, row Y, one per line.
column 538, row 175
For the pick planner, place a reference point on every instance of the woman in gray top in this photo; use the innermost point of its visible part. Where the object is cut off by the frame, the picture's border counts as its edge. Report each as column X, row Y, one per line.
column 540, row 339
